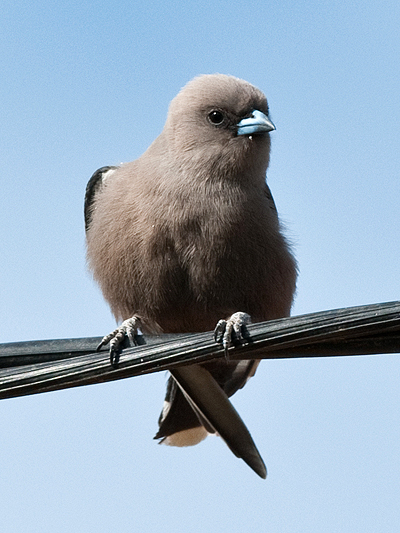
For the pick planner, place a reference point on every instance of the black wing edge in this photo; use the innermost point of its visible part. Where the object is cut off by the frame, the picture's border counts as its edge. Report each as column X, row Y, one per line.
column 92, row 188
column 270, row 198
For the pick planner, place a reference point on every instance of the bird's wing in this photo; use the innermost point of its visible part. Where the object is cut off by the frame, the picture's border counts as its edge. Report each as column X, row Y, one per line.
column 213, row 407
column 93, row 186
column 270, row 198
column 179, row 414
column 196, row 404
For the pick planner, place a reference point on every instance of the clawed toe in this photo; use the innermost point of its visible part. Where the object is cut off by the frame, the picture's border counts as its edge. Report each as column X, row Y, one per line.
column 128, row 329
column 232, row 331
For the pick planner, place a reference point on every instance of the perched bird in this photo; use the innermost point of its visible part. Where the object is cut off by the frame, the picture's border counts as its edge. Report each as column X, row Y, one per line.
column 188, row 234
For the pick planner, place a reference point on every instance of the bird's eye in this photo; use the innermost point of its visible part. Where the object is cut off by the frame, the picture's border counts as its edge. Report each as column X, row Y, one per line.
column 216, row 117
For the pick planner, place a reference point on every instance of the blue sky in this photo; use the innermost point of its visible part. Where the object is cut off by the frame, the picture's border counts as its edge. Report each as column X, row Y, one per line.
column 86, row 84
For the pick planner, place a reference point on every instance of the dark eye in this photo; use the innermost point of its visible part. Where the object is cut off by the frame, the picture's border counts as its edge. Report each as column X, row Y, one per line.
column 216, row 117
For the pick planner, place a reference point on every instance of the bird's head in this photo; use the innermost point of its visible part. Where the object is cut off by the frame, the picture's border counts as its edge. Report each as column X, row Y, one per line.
column 221, row 122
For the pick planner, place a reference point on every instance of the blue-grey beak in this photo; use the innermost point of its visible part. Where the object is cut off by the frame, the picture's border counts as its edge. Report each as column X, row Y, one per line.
column 258, row 122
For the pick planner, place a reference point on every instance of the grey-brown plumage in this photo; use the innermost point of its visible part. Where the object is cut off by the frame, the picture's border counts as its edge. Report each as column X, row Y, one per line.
column 188, row 233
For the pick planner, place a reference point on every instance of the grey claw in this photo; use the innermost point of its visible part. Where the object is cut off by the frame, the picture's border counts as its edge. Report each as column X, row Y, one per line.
column 233, row 330
column 128, row 329
column 114, row 358
column 219, row 331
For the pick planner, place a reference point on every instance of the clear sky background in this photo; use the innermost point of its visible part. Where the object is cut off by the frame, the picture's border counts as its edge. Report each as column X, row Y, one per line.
column 87, row 84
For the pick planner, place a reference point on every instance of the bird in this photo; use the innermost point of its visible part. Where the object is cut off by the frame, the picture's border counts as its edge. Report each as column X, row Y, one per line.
column 187, row 237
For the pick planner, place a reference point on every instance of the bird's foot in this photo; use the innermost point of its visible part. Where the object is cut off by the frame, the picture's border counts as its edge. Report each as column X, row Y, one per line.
column 232, row 331
column 128, row 329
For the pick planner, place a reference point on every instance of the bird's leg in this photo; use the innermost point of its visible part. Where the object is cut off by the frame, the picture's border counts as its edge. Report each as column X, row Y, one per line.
column 232, row 331
column 128, row 329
